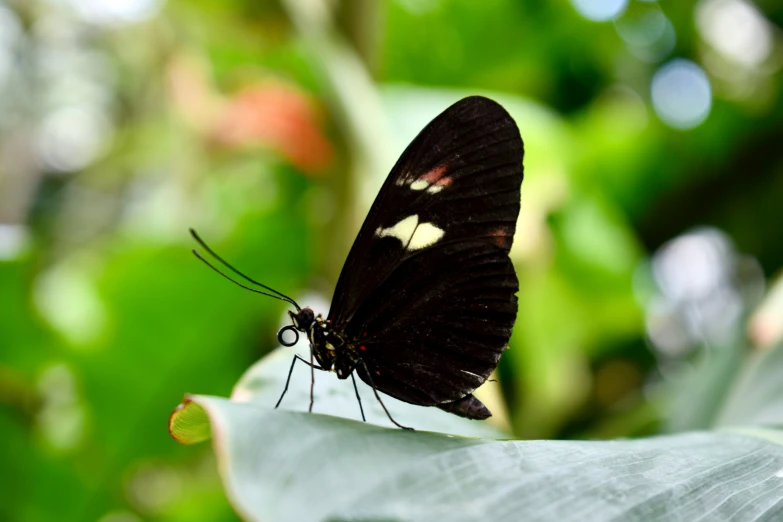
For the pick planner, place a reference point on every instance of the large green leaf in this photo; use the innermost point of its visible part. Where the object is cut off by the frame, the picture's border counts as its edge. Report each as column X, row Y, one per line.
column 282, row 465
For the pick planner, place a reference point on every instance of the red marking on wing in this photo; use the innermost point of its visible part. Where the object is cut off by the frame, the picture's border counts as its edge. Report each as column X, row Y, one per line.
column 501, row 237
column 436, row 177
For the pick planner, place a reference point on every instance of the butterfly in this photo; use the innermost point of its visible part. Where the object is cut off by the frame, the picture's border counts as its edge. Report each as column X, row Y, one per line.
column 426, row 301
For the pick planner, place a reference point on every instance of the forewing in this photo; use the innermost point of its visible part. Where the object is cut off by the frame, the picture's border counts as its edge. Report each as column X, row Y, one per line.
column 459, row 180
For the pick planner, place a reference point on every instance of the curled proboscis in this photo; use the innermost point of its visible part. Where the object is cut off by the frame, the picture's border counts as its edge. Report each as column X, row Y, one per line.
column 283, row 330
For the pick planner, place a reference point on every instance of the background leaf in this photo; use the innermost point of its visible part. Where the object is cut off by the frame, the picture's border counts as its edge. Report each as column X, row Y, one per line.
column 757, row 396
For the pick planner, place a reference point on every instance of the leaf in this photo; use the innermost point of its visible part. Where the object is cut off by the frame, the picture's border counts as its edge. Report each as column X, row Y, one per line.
column 290, row 465
column 729, row 388
column 697, row 395
column 280, row 466
column 757, row 395
column 188, row 423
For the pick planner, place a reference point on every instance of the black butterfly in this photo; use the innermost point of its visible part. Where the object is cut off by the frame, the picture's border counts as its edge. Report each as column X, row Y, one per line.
column 425, row 304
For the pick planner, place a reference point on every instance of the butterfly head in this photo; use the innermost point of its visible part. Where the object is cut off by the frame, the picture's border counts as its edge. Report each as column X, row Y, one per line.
column 302, row 319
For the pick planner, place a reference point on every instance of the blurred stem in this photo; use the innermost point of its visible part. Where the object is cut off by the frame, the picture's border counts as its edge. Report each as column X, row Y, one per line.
column 356, row 105
column 360, row 22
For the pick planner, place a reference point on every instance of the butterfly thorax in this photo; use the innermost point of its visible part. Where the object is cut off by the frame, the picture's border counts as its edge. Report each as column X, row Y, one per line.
column 329, row 347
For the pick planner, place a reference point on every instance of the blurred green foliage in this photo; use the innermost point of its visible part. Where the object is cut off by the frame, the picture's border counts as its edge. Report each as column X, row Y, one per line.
column 269, row 127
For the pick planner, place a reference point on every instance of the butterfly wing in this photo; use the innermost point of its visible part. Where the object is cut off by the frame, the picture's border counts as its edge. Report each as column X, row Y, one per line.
column 435, row 329
column 428, row 288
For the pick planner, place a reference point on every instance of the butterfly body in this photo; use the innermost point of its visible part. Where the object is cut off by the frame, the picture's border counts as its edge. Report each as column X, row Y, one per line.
column 329, row 347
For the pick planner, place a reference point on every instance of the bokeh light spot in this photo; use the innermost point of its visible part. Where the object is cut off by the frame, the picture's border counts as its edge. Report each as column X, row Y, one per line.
column 642, row 27
column 646, row 31
column 736, row 29
column 116, row 12
column 13, row 240
column 61, row 418
column 702, row 285
column 693, row 265
column 681, row 94
column 70, row 138
column 66, row 297
column 153, row 488
column 600, row 10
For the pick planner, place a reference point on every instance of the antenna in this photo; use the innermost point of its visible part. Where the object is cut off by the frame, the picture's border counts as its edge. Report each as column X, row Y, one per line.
column 279, row 295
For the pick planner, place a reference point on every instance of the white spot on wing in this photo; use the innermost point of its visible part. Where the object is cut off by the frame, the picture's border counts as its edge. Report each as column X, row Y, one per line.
column 402, row 230
column 419, row 184
column 426, row 234
column 779, row 473
column 412, row 234
column 422, row 184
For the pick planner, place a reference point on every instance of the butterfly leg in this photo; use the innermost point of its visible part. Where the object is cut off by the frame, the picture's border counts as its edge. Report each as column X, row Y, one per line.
column 372, row 384
column 353, row 378
column 288, row 380
column 312, row 381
